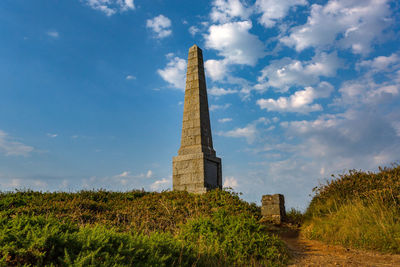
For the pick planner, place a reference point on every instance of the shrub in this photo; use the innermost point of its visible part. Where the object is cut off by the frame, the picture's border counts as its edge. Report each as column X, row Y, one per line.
column 372, row 226
column 294, row 216
column 101, row 228
column 384, row 185
column 135, row 210
column 46, row 241
column 358, row 209
column 234, row 239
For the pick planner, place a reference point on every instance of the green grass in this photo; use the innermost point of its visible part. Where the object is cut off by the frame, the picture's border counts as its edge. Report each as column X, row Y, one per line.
column 101, row 228
column 358, row 209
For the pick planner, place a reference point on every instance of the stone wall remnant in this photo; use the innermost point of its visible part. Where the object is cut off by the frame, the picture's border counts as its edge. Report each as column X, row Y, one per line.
column 273, row 208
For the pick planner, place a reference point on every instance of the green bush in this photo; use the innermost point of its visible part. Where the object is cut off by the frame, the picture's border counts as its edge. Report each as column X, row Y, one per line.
column 294, row 216
column 135, row 210
column 235, row 240
column 101, row 228
column 358, row 209
column 46, row 241
column 384, row 185
column 373, row 226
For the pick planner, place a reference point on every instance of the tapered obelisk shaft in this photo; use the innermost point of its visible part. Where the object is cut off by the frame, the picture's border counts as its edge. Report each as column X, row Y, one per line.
column 196, row 168
column 196, row 129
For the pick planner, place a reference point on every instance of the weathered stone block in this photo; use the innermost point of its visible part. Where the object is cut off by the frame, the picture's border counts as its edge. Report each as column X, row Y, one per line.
column 273, row 208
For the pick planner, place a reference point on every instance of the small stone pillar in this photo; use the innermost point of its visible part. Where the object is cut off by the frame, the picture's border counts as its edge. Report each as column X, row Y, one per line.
column 273, row 208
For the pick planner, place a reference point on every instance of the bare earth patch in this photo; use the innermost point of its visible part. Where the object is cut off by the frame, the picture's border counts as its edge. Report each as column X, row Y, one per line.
column 314, row 253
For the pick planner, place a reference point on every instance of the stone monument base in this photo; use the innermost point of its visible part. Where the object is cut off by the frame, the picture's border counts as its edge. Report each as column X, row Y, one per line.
column 273, row 208
column 196, row 173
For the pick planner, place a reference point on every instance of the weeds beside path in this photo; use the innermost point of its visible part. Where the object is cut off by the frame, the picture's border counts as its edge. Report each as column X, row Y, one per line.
column 306, row 252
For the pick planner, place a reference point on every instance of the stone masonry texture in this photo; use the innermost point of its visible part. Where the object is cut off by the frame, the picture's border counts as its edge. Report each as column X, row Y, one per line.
column 273, row 208
column 196, row 169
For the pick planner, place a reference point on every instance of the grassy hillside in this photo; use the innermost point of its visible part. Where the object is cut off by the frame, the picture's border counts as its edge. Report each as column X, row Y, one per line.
column 146, row 229
column 358, row 209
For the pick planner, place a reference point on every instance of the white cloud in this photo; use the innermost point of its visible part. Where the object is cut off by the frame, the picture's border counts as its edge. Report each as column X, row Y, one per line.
column 160, row 25
column 367, row 92
column 130, row 77
column 273, row 10
column 216, row 69
column 301, row 101
column 110, row 7
column 11, row 183
column 161, row 184
column 352, row 135
column 286, row 72
column 249, row 132
column 223, row 120
column 10, row 147
column 230, row 181
column 381, row 63
column 129, row 4
column 53, row 34
column 396, row 127
column 331, row 144
column 52, row 135
column 215, row 91
column 128, row 174
column 352, row 24
column 126, row 180
column 124, row 174
column 216, row 107
column 379, row 83
column 234, row 42
column 226, row 10
column 174, row 72
column 193, row 30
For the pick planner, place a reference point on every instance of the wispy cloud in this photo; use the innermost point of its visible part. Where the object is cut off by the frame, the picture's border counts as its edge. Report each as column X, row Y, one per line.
column 130, row 77
column 110, row 7
column 223, row 120
column 161, row 184
column 273, row 11
column 235, row 43
column 160, row 25
column 52, row 135
column 12, row 183
column 230, row 181
column 351, row 25
column 215, row 91
column 53, row 34
column 301, row 101
column 193, row 30
column 284, row 73
column 174, row 72
column 224, row 11
column 216, row 107
column 250, row 132
column 11, row 147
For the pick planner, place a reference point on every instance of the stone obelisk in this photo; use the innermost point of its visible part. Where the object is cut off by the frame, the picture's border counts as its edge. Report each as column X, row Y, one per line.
column 196, row 169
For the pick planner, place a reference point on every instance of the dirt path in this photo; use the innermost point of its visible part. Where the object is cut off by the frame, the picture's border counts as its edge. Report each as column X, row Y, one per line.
column 314, row 253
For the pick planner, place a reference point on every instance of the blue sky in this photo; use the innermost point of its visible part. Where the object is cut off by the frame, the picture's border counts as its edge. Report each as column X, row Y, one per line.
column 91, row 91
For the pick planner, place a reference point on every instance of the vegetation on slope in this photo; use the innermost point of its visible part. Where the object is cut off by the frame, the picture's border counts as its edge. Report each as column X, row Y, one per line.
column 146, row 229
column 358, row 209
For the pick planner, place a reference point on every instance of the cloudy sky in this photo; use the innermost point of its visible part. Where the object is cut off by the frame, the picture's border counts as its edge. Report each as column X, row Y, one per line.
column 91, row 91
